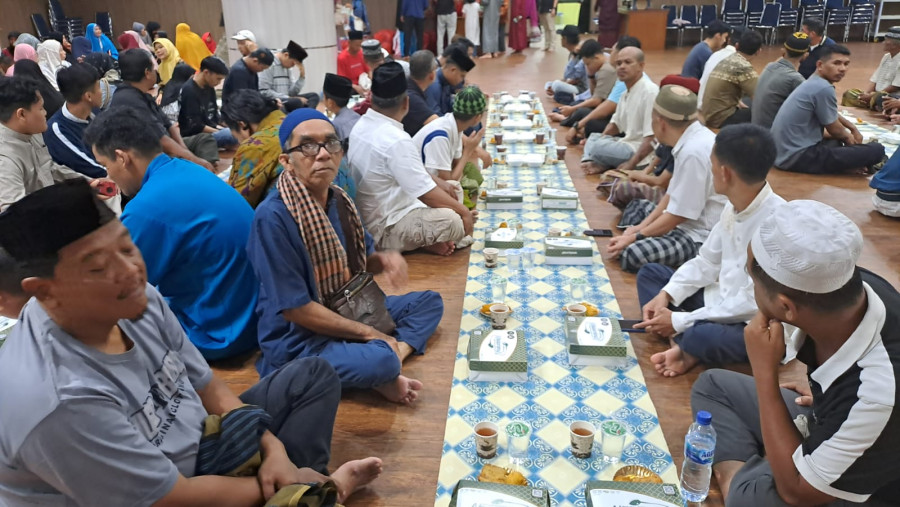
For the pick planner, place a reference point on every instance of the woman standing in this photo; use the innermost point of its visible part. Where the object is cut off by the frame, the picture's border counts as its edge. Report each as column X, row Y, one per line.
column 190, row 46
column 490, row 27
column 523, row 14
column 100, row 43
column 608, row 19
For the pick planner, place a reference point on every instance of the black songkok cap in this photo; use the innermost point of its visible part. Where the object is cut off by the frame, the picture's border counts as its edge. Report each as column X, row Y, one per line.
column 296, row 51
column 338, row 86
column 389, row 81
column 355, row 35
column 40, row 224
column 461, row 59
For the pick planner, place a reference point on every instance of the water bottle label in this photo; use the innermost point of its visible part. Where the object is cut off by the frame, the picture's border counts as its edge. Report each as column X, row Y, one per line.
column 699, row 456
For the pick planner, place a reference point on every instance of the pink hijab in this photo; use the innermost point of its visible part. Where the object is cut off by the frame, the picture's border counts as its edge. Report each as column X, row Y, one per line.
column 132, row 40
column 22, row 52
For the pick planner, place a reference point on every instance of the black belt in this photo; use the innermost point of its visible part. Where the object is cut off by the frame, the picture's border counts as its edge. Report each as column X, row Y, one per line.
column 888, row 196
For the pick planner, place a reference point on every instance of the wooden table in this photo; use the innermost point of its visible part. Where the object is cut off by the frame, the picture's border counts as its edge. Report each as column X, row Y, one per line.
column 648, row 25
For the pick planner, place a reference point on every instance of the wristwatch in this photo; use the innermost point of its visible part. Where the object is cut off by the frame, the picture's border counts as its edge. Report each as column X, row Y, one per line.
column 639, row 236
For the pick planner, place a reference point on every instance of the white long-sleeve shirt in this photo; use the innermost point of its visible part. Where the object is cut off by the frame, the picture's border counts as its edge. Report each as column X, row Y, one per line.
column 719, row 269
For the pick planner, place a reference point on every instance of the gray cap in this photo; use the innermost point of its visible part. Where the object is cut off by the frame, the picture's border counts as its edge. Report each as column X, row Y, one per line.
column 371, row 47
column 676, row 103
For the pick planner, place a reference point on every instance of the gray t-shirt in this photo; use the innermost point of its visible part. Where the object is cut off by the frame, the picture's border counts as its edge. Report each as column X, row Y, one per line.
column 802, row 118
column 80, row 427
column 775, row 84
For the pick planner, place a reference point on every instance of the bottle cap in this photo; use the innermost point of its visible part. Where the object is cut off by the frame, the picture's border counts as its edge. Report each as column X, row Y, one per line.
column 704, row 418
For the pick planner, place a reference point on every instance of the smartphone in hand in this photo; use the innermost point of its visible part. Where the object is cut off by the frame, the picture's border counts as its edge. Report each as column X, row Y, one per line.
column 600, row 233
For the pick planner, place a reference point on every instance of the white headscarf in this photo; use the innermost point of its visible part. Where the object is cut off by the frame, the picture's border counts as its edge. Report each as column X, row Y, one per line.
column 50, row 61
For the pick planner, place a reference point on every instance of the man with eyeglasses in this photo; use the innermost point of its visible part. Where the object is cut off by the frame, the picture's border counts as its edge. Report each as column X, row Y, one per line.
column 307, row 242
column 191, row 228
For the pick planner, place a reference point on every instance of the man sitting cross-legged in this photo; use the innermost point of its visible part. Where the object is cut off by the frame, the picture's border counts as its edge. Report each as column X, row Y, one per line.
column 303, row 253
column 402, row 206
column 836, row 443
column 193, row 242
column 779, row 79
column 446, row 150
column 632, row 118
column 671, row 232
column 702, row 307
column 105, row 397
column 811, row 108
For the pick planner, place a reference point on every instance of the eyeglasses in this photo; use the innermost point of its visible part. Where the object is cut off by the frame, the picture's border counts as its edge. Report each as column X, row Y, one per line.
column 311, row 149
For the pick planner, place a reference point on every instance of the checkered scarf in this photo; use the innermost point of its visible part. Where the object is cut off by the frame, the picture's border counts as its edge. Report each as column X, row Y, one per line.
column 329, row 259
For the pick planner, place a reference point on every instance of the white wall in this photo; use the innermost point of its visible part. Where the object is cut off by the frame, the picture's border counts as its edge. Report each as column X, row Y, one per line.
column 309, row 23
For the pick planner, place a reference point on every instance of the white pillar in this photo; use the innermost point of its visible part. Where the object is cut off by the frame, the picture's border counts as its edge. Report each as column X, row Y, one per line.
column 309, row 23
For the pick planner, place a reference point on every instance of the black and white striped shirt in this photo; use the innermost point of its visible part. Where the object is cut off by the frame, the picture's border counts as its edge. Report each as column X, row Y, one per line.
column 854, row 443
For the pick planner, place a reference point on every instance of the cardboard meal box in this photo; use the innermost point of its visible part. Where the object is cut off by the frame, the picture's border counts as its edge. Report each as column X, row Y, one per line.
column 626, row 494
column 569, row 250
column 504, row 237
column 504, row 198
column 484, row 494
column 594, row 341
column 497, row 355
column 556, row 198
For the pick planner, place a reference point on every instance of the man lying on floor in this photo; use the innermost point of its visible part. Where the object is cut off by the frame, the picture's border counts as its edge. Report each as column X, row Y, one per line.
column 837, row 443
column 308, row 242
column 104, row 397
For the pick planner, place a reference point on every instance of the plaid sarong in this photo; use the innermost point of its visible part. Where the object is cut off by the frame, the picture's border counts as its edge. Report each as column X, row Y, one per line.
column 329, row 259
column 671, row 249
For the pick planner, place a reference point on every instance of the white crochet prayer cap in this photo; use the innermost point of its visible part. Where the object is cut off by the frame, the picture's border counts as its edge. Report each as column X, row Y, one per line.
column 808, row 246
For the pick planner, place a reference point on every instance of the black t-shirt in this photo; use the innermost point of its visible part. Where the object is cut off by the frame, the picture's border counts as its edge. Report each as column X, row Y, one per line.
column 198, row 109
column 545, row 6
column 445, row 7
column 129, row 96
column 419, row 111
column 239, row 78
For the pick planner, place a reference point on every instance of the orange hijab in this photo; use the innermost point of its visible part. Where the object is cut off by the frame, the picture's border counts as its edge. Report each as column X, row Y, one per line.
column 190, row 46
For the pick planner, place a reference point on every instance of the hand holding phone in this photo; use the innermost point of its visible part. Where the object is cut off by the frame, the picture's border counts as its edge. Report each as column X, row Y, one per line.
column 600, row 233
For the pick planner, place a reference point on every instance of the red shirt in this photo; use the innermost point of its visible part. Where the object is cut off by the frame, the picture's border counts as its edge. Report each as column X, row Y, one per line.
column 351, row 66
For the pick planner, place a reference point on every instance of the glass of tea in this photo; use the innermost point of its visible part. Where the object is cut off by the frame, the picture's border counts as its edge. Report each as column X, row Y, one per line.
column 486, row 434
column 581, row 435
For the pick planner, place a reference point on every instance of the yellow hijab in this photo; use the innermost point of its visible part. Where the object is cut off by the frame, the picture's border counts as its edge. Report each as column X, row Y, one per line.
column 167, row 66
column 192, row 48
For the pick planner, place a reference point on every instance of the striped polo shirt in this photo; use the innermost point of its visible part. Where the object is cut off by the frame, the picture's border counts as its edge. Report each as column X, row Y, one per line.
column 854, row 442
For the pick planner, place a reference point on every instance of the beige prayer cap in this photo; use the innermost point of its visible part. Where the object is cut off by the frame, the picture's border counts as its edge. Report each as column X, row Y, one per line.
column 808, row 246
column 676, row 103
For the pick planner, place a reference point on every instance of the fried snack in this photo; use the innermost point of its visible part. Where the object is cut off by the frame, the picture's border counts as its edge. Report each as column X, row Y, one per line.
column 637, row 473
column 499, row 475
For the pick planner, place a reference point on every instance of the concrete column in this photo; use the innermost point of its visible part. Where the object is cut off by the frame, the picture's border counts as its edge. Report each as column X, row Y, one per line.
column 309, row 23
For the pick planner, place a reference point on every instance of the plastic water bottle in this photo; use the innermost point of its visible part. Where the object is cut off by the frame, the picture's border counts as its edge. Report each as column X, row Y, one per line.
column 699, row 449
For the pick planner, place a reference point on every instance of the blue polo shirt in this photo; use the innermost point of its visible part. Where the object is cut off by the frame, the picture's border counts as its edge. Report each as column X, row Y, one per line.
column 414, row 8
column 192, row 230
column 440, row 94
column 286, row 281
column 696, row 60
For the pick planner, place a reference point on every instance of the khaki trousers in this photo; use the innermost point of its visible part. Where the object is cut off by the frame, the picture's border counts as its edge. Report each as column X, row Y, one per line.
column 422, row 227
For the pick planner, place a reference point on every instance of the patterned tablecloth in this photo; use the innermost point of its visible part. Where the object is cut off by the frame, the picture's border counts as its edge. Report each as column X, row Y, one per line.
column 555, row 394
column 869, row 131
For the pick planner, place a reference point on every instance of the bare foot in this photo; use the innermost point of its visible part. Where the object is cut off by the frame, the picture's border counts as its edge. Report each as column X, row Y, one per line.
column 355, row 475
column 445, row 248
column 591, row 168
column 401, row 390
column 556, row 117
column 486, row 56
column 673, row 362
column 549, row 92
column 498, row 54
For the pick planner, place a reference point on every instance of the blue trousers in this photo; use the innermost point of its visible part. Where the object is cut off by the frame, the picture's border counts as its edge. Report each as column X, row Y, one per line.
column 710, row 342
column 302, row 397
column 363, row 365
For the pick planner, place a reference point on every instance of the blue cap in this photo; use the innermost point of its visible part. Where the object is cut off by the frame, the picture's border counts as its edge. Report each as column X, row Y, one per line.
column 297, row 117
column 704, row 418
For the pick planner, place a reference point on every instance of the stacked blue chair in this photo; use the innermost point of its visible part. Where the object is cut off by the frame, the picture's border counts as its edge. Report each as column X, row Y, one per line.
column 670, row 22
column 861, row 14
column 41, row 28
column 768, row 22
column 104, row 21
column 72, row 27
column 812, row 9
column 733, row 13
column 789, row 17
column 689, row 13
column 707, row 14
column 754, row 11
column 837, row 15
